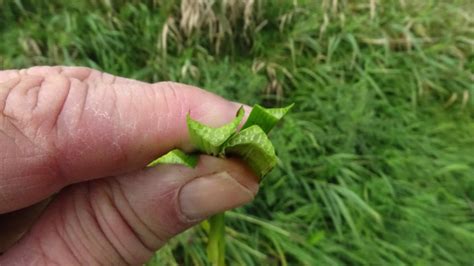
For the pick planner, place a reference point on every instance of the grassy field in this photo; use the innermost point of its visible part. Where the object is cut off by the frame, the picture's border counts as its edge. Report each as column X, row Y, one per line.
column 376, row 160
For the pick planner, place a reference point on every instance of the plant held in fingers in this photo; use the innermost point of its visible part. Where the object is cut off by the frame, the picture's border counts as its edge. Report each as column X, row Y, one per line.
column 250, row 143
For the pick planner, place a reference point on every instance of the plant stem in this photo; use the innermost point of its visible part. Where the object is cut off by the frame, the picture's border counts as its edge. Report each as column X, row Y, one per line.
column 216, row 242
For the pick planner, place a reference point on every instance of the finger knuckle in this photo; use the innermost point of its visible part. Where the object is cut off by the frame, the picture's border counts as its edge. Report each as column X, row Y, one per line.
column 32, row 107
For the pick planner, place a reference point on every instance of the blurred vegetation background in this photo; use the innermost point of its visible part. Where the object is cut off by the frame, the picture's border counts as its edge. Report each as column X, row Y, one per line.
column 376, row 160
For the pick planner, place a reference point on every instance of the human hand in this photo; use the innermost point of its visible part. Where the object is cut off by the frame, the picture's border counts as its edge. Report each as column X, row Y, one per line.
column 87, row 136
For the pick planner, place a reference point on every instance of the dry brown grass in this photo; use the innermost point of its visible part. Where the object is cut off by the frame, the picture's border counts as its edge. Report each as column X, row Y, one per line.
column 218, row 20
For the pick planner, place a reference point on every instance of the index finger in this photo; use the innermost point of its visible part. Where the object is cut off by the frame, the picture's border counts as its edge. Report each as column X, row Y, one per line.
column 67, row 125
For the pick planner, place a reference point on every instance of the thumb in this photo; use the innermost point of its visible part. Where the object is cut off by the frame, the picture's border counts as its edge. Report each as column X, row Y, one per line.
column 122, row 220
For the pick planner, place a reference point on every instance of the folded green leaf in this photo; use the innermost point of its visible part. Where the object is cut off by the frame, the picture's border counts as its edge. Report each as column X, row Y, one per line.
column 266, row 118
column 253, row 146
column 176, row 157
column 208, row 139
column 250, row 144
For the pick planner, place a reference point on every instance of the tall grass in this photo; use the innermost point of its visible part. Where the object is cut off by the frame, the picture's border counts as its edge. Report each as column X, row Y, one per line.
column 377, row 160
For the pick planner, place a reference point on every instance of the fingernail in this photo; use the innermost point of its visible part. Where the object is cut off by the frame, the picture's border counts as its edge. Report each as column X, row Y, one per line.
column 212, row 194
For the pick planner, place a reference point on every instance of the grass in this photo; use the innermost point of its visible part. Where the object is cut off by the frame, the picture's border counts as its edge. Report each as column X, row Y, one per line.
column 377, row 158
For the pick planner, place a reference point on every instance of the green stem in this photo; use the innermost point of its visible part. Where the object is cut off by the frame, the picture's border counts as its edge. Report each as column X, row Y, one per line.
column 216, row 242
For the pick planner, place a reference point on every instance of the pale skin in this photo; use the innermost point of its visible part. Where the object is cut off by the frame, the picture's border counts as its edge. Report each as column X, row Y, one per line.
column 82, row 138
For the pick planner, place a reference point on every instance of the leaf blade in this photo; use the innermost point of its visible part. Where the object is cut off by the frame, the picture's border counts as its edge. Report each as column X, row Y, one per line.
column 253, row 146
column 266, row 118
column 176, row 156
column 208, row 139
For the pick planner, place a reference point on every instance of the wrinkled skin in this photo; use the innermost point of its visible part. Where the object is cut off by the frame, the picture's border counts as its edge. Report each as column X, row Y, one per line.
column 82, row 138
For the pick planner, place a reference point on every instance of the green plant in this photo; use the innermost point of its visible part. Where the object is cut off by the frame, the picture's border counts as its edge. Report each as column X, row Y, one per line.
column 250, row 143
